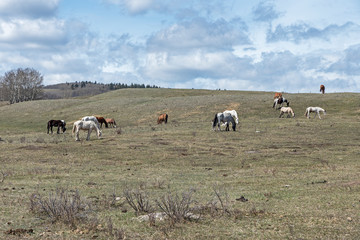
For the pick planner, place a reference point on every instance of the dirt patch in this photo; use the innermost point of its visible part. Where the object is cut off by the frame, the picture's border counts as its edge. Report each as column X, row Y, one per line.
column 160, row 141
column 19, row 231
column 352, row 183
column 33, row 148
column 232, row 106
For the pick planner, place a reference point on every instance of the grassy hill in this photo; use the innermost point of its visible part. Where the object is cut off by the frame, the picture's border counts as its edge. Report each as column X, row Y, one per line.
column 300, row 176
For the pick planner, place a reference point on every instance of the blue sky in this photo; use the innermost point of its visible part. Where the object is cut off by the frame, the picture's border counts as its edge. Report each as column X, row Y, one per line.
column 282, row 45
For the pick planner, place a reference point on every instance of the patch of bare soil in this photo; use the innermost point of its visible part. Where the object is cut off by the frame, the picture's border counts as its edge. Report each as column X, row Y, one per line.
column 19, row 231
column 32, row 147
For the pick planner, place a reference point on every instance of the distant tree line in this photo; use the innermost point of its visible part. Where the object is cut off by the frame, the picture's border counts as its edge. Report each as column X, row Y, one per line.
column 111, row 86
column 21, row 85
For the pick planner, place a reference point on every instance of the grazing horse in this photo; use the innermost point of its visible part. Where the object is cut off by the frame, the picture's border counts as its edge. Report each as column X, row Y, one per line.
column 322, row 89
column 280, row 101
column 111, row 122
column 91, row 118
column 162, row 118
column 56, row 123
column 224, row 117
column 85, row 125
column 316, row 110
column 287, row 110
column 233, row 113
column 278, row 95
column 102, row 121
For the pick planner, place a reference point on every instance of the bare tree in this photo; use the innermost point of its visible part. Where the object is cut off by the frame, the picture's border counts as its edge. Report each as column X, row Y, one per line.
column 21, row 85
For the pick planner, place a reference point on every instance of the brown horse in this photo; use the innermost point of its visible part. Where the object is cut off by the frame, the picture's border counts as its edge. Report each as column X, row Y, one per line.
column 111, row 122
column 162, row 118
column 102, row 120
column 56, row 123
column 322, row 89
column 278, row 95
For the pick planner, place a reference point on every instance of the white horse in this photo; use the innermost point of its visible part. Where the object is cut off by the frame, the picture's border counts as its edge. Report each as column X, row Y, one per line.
column 316, row 110
column 85, row 125
column 233, row 114
column 91, row 118
column 226, row 118
column 280, row 101
column 287, row 110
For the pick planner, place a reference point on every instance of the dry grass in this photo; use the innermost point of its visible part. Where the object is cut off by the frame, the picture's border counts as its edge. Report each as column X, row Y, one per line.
column 300, row 176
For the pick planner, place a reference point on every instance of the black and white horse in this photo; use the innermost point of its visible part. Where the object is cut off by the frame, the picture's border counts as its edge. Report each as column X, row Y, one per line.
column 280, row 101
column 226, row 118
column 56, row 123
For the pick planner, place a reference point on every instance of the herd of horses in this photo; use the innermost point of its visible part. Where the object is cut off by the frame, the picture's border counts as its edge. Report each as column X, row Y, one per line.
column 90, row 123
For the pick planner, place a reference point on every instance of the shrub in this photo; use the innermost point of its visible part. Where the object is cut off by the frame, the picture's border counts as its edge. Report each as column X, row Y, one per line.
column 176, row 207
column 61, row 206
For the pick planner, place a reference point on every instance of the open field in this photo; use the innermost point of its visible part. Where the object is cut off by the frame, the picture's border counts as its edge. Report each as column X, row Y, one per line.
column 300, row 176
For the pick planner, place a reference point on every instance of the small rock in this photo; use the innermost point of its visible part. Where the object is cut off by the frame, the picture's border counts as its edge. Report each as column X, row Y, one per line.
column 349, row 219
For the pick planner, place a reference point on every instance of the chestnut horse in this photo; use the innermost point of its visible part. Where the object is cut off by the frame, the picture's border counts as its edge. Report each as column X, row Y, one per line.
column 102, row 121
column 56, row 123
column 322, row 89
column 162, row 118
column 278, row 95
column 111, row 122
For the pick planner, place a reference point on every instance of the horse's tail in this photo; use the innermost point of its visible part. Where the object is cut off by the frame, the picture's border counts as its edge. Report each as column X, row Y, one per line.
column 74, row 128
column 106, row 124
column 166, row 118
column 215, row 120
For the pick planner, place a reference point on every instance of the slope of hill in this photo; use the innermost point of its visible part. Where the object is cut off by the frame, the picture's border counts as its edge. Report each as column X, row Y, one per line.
column 274, row 178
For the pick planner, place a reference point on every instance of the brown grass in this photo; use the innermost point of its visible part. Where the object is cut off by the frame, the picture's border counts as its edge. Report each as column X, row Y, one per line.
column 300, row 176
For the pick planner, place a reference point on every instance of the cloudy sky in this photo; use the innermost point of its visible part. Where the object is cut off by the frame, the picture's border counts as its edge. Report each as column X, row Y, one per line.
column 279, row 45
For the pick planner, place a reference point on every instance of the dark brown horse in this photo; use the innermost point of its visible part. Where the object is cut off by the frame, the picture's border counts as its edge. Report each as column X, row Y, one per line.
column 162, row 118
column 56, row 123
column 102, row 121
column 322, row 89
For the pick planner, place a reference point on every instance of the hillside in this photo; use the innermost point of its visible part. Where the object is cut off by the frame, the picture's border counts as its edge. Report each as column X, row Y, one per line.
column 81, row 89
column 274, row 178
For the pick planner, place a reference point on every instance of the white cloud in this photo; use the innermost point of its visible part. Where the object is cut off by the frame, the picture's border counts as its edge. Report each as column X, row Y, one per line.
column 28, row 8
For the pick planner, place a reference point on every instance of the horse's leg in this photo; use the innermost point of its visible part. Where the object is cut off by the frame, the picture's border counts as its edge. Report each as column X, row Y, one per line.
column 281, row 114
column 58, row 131
column 77, row 134
column 88, row 136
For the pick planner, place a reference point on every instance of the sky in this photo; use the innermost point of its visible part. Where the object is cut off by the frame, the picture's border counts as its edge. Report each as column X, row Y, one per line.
column 258, row 45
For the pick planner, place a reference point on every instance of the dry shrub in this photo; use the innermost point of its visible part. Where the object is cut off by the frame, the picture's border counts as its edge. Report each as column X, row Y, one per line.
column 223, row 198
column 177, row 208
column 115, row 233
column 138, row 200
column 61, row 206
